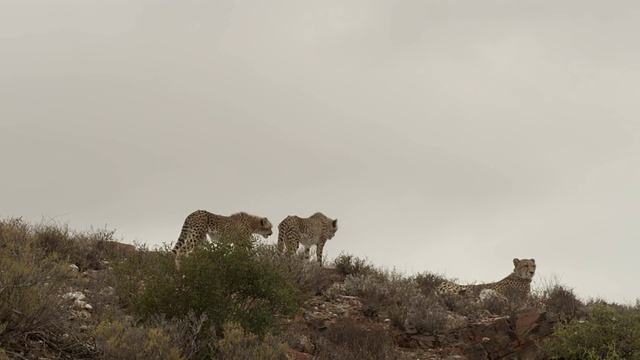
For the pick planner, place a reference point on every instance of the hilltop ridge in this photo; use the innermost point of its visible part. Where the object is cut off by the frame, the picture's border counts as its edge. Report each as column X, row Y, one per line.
column 84, row 295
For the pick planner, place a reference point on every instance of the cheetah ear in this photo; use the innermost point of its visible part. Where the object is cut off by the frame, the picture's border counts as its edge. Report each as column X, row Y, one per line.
column 516, row 261
column 335, row 224
column 533, row 260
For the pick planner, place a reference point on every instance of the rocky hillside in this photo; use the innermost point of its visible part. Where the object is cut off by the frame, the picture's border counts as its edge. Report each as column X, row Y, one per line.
column 69, row 295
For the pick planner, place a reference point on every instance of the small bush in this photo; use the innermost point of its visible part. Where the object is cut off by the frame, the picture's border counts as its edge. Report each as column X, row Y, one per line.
column 84, row 249
column 309, row 276
column 610, row 333
column 427, row 317
column 374, row 293
column 347, row 264
column 562, row 302
column 222, row 281
column 116, row 340
column 240, row 345
column 191, row 334
column 428, row 282
column 401, row 299
column 348, row 339
column 466, row 305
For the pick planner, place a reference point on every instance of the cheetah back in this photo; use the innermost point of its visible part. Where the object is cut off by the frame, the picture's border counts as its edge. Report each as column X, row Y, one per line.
column 517, row 283
column 237, row 227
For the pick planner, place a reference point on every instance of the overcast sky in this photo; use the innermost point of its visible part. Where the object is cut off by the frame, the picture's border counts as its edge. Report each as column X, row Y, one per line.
column 446, row 136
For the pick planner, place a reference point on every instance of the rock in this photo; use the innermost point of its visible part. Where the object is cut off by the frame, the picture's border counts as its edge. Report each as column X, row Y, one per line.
column 456, row 322
column 426, row 341
column 319, row 324
column 508, row 338
column 297, row 355
column 74, row 295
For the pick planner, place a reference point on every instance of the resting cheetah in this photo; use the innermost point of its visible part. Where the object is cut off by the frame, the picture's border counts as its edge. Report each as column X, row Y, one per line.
column 314, row 230
column 518, row 283
column 200, row 223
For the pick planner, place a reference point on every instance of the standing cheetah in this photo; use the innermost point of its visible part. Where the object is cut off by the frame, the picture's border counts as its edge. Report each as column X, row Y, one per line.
column 314, row 230
column 198, row 224
column 518, row 283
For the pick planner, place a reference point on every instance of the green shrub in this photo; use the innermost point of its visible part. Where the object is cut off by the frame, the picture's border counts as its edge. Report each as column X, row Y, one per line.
column 116, row 340
column 240, row 345
column 222, row 281
column 610, row 333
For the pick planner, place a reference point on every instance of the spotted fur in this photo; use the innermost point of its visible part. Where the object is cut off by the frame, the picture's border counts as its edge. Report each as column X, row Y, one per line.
column 518, row 283
column 237, row 227
column 314, row 230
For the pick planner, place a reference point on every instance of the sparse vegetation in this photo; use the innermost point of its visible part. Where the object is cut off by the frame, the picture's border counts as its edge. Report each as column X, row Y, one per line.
column 239, row 344
column 428, row 282
column 349, row 339
column 308, row 276
column 562, row 302
column 32, row 278
column 610, row 332
column 116, row 340
column 347, row 264
column 238, row 302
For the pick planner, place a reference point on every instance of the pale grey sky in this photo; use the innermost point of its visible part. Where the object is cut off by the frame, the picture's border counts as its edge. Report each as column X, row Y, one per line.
column 448, row 136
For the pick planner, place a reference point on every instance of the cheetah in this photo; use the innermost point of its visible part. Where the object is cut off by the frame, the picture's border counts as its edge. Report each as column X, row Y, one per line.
column 518, row 283
column 201, row 222
column 314, row 230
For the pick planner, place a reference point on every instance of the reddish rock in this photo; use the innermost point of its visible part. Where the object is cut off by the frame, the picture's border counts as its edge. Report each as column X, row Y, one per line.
column 297, row 355
column 509, row 338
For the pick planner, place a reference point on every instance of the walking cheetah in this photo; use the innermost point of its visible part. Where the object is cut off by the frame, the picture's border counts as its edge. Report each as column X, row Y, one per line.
column 314, row 230
column 199, row 223
column 518, row 283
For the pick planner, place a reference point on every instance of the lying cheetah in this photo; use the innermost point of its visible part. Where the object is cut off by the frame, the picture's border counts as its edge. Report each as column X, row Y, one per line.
column 236, row 227
column 314, row 230
column 518, row 283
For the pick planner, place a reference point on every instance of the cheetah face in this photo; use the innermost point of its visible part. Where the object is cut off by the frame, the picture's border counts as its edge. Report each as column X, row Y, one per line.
column 265, row 228
column 331, row 230
column 525, row 268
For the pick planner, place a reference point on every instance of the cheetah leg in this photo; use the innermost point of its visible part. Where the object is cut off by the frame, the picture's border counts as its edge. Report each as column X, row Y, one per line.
column 191, row 241
column 280, row 246
column 319, row 249
column 178, row 253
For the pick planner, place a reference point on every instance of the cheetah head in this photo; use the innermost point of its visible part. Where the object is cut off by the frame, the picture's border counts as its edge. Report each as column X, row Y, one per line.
column 265, row 228
column 329, row 226
column 524, row 268
column 330, row 231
